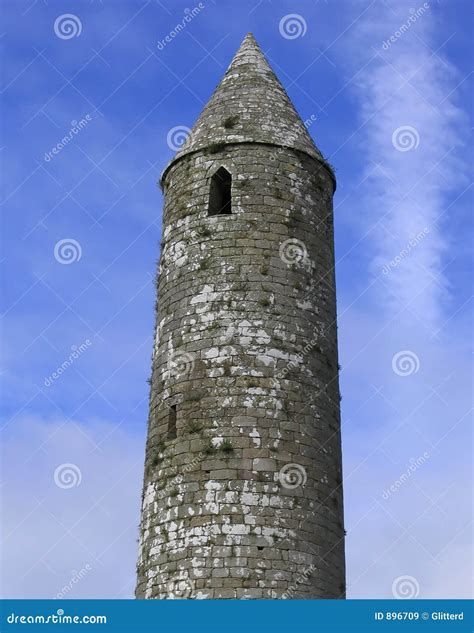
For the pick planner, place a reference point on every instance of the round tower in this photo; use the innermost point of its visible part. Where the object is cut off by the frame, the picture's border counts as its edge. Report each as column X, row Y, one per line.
column 243, row 488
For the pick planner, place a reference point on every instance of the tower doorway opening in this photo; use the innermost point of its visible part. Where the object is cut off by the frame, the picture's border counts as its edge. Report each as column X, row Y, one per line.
column 220, row 195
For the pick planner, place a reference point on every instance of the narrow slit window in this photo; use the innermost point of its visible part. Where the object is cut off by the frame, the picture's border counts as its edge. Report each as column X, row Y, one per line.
column 220, row 193
column 172, row 434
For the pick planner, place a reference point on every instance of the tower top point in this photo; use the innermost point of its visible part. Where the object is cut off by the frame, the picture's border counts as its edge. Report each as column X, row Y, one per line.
column 249, row 105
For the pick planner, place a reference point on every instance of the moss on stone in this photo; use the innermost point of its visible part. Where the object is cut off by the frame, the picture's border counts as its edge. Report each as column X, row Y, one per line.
column 226, row 447
column 230, row 122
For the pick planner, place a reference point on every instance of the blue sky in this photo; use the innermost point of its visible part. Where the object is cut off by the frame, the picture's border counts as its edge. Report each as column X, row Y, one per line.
column 386, row 87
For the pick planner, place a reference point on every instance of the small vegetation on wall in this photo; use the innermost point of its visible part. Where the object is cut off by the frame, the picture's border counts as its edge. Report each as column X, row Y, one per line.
column 230, row 122
column 226, row 447
column 214, row 148
column 193, row 426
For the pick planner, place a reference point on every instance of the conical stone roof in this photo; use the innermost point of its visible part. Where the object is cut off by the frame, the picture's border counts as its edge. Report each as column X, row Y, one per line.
column 249, row 105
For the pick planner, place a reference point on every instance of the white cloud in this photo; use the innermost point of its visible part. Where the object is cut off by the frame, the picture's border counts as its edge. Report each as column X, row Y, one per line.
column 422, row 530
column 50, row 533
column 411, row 131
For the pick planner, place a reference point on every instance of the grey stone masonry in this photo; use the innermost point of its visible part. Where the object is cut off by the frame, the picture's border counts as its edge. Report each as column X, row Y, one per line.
column 242, row 492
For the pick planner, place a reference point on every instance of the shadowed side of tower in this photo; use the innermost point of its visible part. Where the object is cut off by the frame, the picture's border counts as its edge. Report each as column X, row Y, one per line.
column 243, row 487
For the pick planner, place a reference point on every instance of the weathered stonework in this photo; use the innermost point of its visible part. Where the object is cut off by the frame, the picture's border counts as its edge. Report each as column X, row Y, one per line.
column 243, row 491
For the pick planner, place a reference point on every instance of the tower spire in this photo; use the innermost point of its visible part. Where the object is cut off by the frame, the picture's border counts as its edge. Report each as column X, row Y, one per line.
column 249, row 105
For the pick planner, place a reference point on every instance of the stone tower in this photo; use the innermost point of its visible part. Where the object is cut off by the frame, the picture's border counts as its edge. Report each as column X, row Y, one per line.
column 243, row 490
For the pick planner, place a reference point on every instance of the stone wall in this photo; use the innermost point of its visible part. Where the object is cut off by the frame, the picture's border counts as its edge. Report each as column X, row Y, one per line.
column 246, row 502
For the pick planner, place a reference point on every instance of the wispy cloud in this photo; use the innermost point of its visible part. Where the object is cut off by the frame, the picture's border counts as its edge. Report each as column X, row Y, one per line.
column 409, row 142
column 410, row 150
